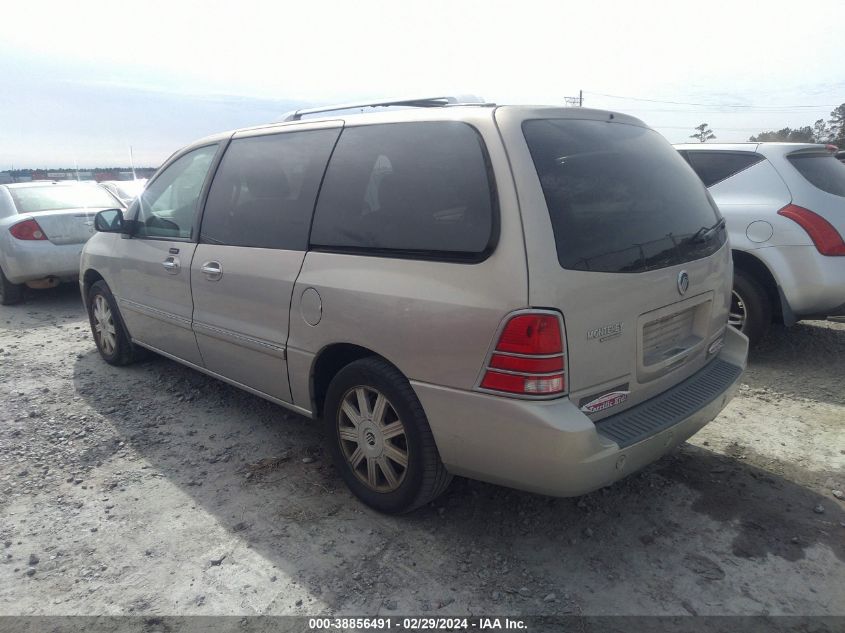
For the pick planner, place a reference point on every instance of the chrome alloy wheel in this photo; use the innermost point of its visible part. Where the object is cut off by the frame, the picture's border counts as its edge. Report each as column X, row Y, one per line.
column 104, row 325
column 372, row 438
column 737, row 314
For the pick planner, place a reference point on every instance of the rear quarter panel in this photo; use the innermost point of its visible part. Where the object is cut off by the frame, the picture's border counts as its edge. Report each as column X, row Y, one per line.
column 750, row 200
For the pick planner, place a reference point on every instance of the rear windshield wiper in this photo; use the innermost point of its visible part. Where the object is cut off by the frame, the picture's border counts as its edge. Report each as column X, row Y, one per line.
column 705, row 232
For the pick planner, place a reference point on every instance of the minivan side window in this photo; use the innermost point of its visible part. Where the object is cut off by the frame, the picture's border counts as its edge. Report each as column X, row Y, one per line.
column 264, row 191
column 168, row 206
column 714, row 167
column 419, row 189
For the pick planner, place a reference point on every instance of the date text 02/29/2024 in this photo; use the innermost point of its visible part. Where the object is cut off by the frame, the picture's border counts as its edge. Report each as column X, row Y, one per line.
column 417, row 624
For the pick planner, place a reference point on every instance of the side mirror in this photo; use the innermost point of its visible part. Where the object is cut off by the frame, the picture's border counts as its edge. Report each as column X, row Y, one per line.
column 110, row 221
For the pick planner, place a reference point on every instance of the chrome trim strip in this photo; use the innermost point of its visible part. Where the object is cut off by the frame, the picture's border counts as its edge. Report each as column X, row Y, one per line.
column 228, row 336
column 539, row 356
column 161, row 315
column 550, row 374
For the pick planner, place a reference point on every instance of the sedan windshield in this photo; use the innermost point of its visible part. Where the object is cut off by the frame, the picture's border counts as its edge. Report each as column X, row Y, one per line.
column 54, row 197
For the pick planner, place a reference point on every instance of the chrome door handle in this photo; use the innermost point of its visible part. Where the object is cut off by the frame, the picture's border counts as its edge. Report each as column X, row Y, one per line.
column 212, row 270
column 171, row 265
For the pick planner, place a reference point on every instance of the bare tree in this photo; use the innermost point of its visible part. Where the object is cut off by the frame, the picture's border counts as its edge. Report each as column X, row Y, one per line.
column 822, row 132
column 703, row 133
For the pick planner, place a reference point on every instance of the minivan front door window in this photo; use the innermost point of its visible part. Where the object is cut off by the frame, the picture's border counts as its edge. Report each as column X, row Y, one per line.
column 168, row 206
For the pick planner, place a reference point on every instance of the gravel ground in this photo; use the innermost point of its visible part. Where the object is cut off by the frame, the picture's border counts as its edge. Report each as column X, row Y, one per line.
column 154, row 490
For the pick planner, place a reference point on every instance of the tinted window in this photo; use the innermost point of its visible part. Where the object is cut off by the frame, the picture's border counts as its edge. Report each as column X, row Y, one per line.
column 56, row 197
column 420, row 188
column 620, row 198
column 264, row 191
column 713, row 167
column 822, row 170
column 168, row 206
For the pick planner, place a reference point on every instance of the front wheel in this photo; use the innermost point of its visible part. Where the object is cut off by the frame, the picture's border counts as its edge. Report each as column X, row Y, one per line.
column 380, row 440
column 111, row 338
column 751, row 310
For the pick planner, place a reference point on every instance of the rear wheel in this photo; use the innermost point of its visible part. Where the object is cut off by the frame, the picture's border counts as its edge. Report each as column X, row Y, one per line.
column 9, row 293
column 380, row 440
column 110, row 335
column 751, row 310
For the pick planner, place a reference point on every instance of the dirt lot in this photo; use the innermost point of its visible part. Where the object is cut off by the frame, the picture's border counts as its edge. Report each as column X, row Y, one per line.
column 153, row 489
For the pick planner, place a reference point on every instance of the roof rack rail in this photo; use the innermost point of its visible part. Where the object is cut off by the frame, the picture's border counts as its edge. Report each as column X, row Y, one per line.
column 419, row 102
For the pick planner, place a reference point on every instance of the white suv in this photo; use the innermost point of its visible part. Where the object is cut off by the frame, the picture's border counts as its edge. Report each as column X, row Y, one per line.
column 785, row 209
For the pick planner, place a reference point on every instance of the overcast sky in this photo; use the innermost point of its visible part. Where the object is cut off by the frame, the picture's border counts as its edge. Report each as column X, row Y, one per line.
column 83, row 81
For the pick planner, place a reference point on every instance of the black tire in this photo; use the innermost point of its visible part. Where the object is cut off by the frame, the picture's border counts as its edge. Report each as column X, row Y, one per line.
column 123, row 351
column 424, row 478
column 751, row 298
column 10, row 293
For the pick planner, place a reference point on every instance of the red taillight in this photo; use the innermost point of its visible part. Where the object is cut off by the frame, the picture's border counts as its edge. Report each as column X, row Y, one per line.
column 531, row 334
column 528, row 359
column 824, row 235
column 27, row 230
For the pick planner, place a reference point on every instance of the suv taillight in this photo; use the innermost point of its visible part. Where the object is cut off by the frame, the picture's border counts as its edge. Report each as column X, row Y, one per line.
column 824, row 235
column 528, row 358
column 27, row 230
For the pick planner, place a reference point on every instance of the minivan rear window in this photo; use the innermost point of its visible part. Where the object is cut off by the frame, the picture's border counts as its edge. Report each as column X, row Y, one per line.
column 620, row 198
column 822, row 171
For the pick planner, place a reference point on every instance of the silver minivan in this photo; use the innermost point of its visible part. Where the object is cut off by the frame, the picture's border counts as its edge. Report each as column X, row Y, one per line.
column 531, row 296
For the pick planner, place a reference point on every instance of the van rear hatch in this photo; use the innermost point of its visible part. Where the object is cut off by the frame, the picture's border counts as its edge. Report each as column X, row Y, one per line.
column 623, row 238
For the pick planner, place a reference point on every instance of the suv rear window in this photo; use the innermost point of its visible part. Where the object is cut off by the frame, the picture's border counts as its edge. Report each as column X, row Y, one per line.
column 713, row 167
column 408, row 190
column 821, row 170
column 620, row 198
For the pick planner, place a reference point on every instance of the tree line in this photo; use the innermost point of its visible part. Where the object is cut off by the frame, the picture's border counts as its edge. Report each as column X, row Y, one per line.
column 831, row 130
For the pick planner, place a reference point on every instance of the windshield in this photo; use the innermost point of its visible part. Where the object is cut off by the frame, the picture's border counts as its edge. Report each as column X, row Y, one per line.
column 822, row 171
column 620, row 198
column 52, row 197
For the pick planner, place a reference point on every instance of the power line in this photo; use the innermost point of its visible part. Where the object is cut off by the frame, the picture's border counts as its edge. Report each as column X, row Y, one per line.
column 677, row 111
column 717, row 105
column 718, row 127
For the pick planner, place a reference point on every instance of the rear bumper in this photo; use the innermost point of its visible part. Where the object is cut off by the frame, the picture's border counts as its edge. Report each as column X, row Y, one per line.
column 552, row 447
column 37, row 259
column 812, row 284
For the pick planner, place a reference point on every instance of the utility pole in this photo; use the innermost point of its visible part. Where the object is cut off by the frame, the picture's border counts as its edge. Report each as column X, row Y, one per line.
column 580, row 98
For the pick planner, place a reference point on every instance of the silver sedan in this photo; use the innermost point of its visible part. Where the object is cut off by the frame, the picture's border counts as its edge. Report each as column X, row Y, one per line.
column 43, row 226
